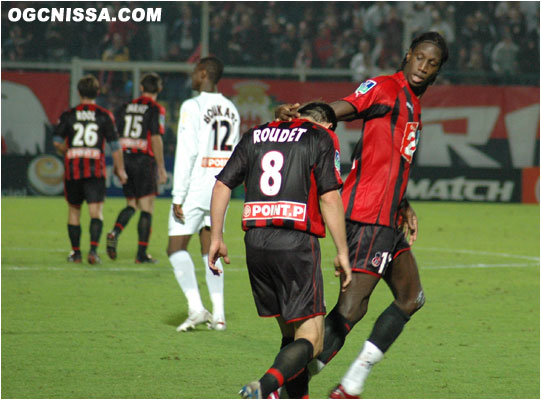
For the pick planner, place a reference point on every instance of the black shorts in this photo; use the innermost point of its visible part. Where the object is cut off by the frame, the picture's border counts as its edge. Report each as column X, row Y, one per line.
column 284, row 266
column 142, row 176
column 90, row 189
column 373, row 247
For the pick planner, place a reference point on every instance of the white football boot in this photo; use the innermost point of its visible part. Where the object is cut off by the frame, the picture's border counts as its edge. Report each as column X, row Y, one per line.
column 194, row 318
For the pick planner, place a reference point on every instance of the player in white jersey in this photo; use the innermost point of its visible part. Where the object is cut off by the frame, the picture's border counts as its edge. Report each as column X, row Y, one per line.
column 208, row 131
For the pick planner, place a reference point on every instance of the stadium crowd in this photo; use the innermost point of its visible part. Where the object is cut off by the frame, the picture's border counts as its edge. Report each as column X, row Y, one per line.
column 367, row 37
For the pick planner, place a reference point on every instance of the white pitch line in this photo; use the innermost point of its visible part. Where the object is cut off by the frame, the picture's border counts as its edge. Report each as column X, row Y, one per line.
column 227, row 269
column 476, row 252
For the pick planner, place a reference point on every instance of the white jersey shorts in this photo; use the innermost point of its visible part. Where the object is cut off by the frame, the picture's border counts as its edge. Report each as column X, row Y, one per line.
column 195, row 219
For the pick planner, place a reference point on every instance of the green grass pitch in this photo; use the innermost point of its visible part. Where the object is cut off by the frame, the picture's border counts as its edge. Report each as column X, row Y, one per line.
column 108, row 331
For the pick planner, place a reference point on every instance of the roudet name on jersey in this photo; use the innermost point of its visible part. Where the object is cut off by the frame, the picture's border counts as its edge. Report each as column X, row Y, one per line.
column 277, row 135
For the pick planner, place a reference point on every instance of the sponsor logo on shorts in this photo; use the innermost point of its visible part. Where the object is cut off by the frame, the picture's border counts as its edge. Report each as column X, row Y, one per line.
column 83, row 152
column 376, row 261
column 274, row 209
column 214, row 162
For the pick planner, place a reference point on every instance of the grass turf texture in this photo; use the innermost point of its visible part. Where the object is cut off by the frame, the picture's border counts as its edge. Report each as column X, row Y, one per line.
column 108, row 331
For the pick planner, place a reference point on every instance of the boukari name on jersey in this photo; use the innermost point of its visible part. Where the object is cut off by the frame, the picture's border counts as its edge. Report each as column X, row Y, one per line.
column 216, row 111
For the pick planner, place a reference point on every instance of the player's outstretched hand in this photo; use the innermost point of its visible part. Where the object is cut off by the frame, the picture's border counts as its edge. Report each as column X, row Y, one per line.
column 162, row 176
column 409, row 223
column 286, row 112
column 217, row 249
column 343, row 270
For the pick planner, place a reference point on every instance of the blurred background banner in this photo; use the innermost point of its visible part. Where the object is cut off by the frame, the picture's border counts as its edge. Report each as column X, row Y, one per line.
column 480, row 120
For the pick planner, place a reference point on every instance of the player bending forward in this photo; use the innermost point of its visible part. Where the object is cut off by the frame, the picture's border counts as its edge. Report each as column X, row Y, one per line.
column 291, row 173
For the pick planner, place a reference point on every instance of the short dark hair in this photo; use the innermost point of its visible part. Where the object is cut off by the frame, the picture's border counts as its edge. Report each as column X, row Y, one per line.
column 88, row 86
column 151, row 83
column 319, row 112
column 430, row 37
column 214, row 67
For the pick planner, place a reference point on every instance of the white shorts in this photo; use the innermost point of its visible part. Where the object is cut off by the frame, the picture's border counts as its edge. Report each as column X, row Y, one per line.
column 195, row 219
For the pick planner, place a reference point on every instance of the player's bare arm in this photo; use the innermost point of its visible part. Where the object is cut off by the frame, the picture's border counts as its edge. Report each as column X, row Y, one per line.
column 344, row 111
column 118, row 162
column 409, row 223
column 61, row 148
column 333, row 214
column 157, row 146
column 221, row 194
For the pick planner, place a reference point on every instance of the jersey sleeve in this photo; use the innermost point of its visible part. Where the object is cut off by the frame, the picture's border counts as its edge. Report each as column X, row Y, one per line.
column 187, row 150
column 234, row 172
column 371, row 99
column 119, row 119
column 61, row 129
column 157, row 120
column 109, row 129
column 327, row 167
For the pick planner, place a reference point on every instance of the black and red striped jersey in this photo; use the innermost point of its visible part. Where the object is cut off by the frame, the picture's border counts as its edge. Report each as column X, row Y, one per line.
column 285, row 167
column 85, row 129
column 137, row 121
column 383, row 156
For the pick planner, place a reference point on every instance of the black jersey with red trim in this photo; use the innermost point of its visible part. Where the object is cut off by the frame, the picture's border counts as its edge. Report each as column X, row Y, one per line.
column 85, row 129
column 285, row 167
column 137, row 121
column 383, row 156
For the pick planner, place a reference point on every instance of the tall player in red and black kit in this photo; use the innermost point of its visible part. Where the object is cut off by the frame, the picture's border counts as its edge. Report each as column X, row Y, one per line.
column 141, row 126
column 291, row 172
column 80, row 136
column 378, row 216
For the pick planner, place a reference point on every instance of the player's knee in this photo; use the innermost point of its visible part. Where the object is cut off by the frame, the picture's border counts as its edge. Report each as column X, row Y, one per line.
column 354, row 314
column 411, row 305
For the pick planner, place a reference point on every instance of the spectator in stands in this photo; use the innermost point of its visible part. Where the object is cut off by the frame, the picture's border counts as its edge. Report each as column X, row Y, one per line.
column 504, row 55
column 305, row 56
column 288, row 47
column 362, row 64
column 186, row 30
column 114, row 81
column 391, row 30
column 324, row 46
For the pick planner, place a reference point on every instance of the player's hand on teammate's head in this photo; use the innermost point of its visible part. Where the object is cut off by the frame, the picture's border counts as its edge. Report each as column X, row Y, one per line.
column 286, row 112
column 342, row 269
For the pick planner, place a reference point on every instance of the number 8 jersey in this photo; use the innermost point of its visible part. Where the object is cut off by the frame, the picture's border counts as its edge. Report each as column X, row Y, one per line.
column 285, row 167
column 208, row 131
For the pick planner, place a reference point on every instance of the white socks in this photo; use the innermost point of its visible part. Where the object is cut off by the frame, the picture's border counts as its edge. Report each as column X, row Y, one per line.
column 353, row 381
column 215, row 285
column 184, row 270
